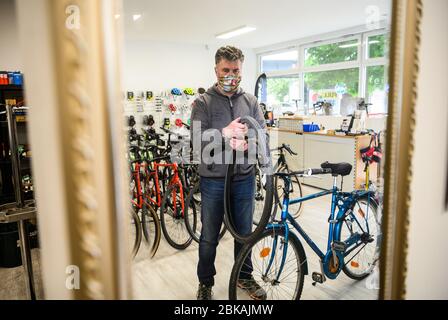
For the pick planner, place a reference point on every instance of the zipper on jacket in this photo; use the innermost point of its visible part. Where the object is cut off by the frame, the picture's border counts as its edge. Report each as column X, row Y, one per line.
column 231, row 108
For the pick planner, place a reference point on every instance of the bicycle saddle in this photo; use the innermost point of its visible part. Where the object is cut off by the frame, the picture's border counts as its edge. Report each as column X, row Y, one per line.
column 342, row 168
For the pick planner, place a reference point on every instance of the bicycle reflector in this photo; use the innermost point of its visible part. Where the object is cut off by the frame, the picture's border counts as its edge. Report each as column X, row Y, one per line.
column 265, row 252
column 354, row 264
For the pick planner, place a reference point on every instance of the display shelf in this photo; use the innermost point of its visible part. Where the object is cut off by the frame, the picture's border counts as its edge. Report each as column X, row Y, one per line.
column 11, row 87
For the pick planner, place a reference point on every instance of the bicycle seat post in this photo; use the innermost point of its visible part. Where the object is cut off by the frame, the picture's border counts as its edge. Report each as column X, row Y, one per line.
column 335, row 181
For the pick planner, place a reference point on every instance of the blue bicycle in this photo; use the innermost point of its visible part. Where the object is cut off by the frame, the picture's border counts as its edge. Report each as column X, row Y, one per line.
column 273, row 265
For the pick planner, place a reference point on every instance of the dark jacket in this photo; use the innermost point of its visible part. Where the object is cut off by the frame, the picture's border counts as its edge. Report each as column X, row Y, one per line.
column 215, row 111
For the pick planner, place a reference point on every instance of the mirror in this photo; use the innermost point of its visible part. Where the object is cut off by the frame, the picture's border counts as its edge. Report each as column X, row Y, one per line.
column 335, row 96
column 326, row 99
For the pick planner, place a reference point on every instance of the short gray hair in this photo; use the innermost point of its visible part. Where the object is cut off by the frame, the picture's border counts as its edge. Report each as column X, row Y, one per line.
column 229, row 53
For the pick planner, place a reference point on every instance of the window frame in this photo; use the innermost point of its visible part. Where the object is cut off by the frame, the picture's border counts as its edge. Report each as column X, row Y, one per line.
column 361, row 63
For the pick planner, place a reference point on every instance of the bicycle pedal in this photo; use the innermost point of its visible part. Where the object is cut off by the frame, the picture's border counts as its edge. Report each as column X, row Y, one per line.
column 338, row 246
column 317, row 278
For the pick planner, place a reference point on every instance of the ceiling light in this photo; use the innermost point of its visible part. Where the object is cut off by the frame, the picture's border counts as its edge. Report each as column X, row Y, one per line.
column 117, row 16
column 136, row 17
column 349, row 45
column 235, row 32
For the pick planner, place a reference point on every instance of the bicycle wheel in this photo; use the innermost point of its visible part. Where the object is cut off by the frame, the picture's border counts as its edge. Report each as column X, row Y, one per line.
column 135, row 233
column 296, row 192
column 193, row 214
column 361, row 260
column 172, row 218
column 151, row 228
column 266, row 253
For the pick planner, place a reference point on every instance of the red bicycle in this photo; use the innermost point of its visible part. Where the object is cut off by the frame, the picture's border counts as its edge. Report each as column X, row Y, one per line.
column 149, row 223
column 163, row 188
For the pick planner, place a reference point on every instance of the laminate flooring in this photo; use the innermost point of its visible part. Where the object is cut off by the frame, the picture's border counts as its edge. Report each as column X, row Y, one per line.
column 171, row 274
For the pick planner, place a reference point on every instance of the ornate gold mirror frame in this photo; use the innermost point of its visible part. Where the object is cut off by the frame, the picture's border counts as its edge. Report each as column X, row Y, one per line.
column 403, row 73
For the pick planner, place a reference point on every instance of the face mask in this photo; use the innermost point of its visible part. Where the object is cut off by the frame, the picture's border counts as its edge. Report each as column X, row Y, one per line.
column 229, row 83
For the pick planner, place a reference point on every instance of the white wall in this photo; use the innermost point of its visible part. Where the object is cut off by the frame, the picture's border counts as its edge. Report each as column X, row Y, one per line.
column 160, row 66
column 428, row 245
column 9, row 52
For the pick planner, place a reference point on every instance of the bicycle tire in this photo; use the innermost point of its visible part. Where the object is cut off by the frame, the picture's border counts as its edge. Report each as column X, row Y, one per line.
column 264, row 163
column 376, row 244
column 178, row 219
column 149, row 217
column 260, row 195
column 297, row 192
column 265, row 253
column 135, row 233
column 194, row 224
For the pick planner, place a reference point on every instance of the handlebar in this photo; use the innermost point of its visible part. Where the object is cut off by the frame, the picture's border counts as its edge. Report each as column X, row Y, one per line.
column 285, row 147
column 305, row 173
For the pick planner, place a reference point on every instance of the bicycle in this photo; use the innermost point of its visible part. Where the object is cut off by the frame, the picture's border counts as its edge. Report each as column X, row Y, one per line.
column 354, row 239
column 149, row 223
column 280, row 166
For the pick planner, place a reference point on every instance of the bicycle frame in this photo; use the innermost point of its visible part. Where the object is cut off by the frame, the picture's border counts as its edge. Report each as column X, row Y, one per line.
column 175, row 180
column 341, row 200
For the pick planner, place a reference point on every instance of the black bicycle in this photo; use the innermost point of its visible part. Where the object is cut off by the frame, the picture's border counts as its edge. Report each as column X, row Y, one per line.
column 281, row 166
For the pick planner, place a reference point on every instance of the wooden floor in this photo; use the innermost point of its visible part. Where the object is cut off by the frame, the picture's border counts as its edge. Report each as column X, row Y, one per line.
column 171, row 274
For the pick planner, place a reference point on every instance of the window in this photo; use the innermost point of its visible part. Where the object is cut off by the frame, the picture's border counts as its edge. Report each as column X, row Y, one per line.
column 376, row 92
column 377, row 46
column 329, row 86
column 283, row 94
column 339, row 72
column 332, row 53
column 283, row 61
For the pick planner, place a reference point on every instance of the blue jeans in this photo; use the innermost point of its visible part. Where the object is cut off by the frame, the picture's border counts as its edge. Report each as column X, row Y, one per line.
column 212, row 214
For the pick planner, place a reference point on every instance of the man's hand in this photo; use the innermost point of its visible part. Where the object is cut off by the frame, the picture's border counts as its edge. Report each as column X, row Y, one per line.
column 235, row 130
column 238, row 144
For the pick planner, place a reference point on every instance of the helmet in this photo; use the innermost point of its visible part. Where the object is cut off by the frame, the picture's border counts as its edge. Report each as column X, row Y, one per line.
column 148, row 120
column 131, row 121
column 189, row 91
column 179, row 123
column 172, row 107
column 176, row 92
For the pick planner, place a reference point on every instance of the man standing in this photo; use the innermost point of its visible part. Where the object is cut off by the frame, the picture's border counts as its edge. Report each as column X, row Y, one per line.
column 219, row 110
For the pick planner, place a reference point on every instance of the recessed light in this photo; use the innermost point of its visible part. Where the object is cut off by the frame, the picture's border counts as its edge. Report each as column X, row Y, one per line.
column 117, row 16
column 235, row 32
column 135, row 17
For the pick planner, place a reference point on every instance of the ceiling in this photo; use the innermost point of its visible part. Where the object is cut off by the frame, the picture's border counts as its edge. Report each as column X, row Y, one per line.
column 198, row 21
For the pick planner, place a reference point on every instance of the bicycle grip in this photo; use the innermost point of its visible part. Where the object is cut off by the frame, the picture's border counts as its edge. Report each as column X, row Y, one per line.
column 320, row 171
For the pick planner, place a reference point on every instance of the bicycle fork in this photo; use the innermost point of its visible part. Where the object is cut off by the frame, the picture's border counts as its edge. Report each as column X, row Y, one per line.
column 284, row 247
